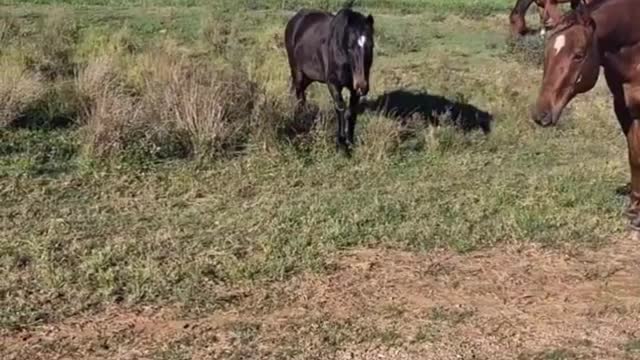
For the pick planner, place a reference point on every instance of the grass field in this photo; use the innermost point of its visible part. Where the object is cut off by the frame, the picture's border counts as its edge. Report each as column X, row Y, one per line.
column 160, row 198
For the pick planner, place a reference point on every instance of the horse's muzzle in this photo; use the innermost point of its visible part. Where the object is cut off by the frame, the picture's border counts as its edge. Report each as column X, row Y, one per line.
column 362, row 89
column 542, row 118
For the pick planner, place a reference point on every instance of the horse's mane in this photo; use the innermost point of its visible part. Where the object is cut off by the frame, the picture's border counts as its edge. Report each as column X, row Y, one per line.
column 572, row 17
column 338, row 28
column 339, row 25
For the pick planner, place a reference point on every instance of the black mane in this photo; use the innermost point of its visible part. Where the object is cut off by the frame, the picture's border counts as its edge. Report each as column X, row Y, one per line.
column 345, row 18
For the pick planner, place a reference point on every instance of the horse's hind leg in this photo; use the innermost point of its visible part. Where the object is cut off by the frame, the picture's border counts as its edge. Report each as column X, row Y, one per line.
column 300, row 85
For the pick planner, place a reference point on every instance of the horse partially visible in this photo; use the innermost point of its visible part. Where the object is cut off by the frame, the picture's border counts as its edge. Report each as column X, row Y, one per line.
column 603, row 34
column 336, row 50
column 547, row 9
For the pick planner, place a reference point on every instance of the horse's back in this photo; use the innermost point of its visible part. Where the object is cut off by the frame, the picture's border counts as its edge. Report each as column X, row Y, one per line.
column 303, row 21
column 304, row 35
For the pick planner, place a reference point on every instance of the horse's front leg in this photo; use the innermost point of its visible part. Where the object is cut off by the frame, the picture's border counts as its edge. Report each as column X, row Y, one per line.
column 630, row 129
column 351, row 115
column 626, row 110
column 340, row 107
column 633, row 143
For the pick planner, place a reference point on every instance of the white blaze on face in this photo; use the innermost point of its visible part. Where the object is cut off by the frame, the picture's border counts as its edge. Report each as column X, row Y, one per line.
column 543, row 31
column 362, row 40
column 559, row 43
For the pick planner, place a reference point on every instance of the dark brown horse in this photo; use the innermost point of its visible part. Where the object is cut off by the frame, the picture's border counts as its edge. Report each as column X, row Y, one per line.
column 604, row 33
column 547, row 9
column 336, row 50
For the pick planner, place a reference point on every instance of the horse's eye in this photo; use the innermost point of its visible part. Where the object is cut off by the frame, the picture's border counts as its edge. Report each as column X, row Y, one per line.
column 578, row 56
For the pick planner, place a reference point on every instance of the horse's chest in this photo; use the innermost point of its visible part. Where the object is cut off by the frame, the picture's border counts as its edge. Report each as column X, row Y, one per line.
column 626, row 63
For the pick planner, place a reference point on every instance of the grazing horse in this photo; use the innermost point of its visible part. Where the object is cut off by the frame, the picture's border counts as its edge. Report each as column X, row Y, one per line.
column 336, row 50
column 602, row 33
column 547, row 9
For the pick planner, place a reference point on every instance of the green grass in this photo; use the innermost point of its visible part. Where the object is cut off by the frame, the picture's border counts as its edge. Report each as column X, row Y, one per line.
column 632, row 346
column 474, row 8
column 78, row 233
column 556, row 354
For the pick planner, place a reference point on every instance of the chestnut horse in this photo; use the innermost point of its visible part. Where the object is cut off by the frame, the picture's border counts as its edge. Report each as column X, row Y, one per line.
column 547, row 9
column 603, row 34
column 336, row 50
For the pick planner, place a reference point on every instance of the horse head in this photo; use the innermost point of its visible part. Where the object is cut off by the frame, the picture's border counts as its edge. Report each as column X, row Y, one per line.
column 352, row 42
column 571, row 65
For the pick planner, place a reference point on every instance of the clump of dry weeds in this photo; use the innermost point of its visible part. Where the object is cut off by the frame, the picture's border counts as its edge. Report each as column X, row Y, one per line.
column 52, row 53
column 108, row 114
column 8, row 29
column 212, row 108
column 19, row 89
column 380, row 138
column 181, row 107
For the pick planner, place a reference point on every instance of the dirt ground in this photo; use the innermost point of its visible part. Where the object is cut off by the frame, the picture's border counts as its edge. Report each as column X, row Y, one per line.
column 517, row 301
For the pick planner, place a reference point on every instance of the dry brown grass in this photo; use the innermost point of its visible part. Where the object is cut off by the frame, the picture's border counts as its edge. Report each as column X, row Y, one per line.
column 380, row 138
column 52, row 52
column 197, row 109
column 8, row 29
column 510, row 302
column 19, row 88
column 211, row 107
column 107, row 113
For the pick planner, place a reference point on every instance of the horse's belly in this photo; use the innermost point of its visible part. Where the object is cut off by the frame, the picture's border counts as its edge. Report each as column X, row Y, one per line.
column 310, row 63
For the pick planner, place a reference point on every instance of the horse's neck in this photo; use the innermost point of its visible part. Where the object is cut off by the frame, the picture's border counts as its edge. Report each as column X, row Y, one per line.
column 521, row 7
column 618, row 37
column 613, row 30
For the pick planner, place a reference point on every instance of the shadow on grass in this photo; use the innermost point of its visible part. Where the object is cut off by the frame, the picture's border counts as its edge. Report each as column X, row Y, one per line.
column 433, row 108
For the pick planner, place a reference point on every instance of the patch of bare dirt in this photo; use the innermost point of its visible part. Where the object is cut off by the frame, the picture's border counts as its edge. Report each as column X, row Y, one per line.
column 509, row 302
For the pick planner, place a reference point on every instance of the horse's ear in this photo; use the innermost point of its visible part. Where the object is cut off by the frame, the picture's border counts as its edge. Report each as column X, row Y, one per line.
column 584, row 17
column 370, row 19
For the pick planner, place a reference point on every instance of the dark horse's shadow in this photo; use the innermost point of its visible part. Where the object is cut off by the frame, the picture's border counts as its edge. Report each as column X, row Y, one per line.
column 434, row 109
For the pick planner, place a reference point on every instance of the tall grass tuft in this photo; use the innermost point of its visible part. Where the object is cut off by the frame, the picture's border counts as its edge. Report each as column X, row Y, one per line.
column 180, row 107
column 19, row 89
column 52, row 51
column 211, row 107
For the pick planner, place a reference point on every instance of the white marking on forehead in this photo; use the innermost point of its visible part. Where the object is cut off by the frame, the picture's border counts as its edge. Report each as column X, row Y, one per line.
column 362, row 40
column 559, row 43
column 543, row 31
